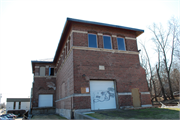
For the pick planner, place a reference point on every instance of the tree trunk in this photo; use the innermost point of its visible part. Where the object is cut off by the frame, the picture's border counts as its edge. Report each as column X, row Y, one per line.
column 155, row 91
column 162, row 88
column 171, row 92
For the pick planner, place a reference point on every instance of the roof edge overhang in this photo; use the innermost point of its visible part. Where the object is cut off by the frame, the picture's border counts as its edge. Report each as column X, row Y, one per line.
column 105, row 24
column 18, row 99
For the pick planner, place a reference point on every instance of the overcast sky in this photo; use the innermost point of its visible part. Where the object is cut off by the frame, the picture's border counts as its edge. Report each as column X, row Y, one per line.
column 30, row 30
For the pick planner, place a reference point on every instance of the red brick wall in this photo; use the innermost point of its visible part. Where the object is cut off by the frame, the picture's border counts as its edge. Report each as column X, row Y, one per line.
column 125, row 100
column 131, row 45
column 64, row 104
column 82, row 102
column 40, row 87
column 145, row 99
column 114, row 43
column 103, row 29
column 100, row 41
column 65, row 75
column 81, row 39
column 123, row 68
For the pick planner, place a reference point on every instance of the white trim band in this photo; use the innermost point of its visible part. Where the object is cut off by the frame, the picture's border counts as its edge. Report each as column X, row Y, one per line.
column 148, row 105
column 145, row 92
column 130, row 38
column 129, row 93
column 114, row 35
column 126, row 93
column 77, row 31
column 73, row 95
column 99, row 34
column 104, row 50
column 36, row 66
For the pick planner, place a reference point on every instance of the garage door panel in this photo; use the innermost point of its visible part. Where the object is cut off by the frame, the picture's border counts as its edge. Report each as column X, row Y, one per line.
column 102, row 95
column 46, row 100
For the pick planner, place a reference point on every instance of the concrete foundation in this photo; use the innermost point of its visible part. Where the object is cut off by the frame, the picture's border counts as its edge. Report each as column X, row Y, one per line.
column 67, row 113
column 44, row 110
column 64, row 112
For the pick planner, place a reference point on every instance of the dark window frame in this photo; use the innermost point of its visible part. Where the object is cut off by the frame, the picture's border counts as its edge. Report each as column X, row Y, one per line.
column 89, row 40
column 124, row 43
column 110, row 41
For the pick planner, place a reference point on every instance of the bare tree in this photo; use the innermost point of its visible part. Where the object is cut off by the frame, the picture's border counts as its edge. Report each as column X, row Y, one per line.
column 152, row 83
column 159, row 78
column 162, row 38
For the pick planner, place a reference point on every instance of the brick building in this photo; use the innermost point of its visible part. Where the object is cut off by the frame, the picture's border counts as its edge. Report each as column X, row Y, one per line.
column 96, row 66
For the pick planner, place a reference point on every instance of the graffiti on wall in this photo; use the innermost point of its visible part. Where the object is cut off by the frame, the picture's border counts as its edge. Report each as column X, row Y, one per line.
column 101, row 96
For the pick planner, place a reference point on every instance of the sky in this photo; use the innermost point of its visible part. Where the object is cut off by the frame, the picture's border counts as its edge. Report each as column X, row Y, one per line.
column 31, row 29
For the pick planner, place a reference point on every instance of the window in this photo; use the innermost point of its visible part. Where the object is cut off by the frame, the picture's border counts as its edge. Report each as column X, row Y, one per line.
column 107, row 42
column 19, row 105
column 42, row 71
column 51, row 71
column 14, row 105
column 121, row 44
column 92, row 42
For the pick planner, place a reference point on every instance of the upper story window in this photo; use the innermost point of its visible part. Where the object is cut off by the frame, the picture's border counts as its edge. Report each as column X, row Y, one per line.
column 107, row 42
column 121, row 44
column 92, row 41
column 42, row 71
column 51, row 71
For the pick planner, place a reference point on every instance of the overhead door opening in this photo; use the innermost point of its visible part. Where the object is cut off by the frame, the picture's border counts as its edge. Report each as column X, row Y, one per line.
column 45, row 100
column 102, row 95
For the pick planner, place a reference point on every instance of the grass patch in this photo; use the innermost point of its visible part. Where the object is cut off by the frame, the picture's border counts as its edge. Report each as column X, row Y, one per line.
column 47, row 117
column 150, row 113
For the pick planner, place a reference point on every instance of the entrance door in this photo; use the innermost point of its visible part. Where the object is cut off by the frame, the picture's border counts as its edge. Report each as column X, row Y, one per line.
column 46, row 100
column 102, row 95
column 136, row 97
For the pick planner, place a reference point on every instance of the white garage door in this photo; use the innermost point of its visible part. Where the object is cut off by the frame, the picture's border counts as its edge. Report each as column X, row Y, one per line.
column 46, row 100
column 102, row 95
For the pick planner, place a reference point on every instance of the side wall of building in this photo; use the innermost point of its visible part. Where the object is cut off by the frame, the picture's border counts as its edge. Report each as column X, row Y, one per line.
column 43, row 84
column 65, row 85
column 65, row 80
column 24, row 106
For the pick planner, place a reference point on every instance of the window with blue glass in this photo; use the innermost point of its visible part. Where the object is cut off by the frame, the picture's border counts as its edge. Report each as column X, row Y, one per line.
column 92, row 42
column 107, row 42
column 121, row 44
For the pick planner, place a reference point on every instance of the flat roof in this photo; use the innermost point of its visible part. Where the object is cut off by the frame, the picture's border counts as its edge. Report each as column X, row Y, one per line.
column 42, row 61
column 18, row 99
